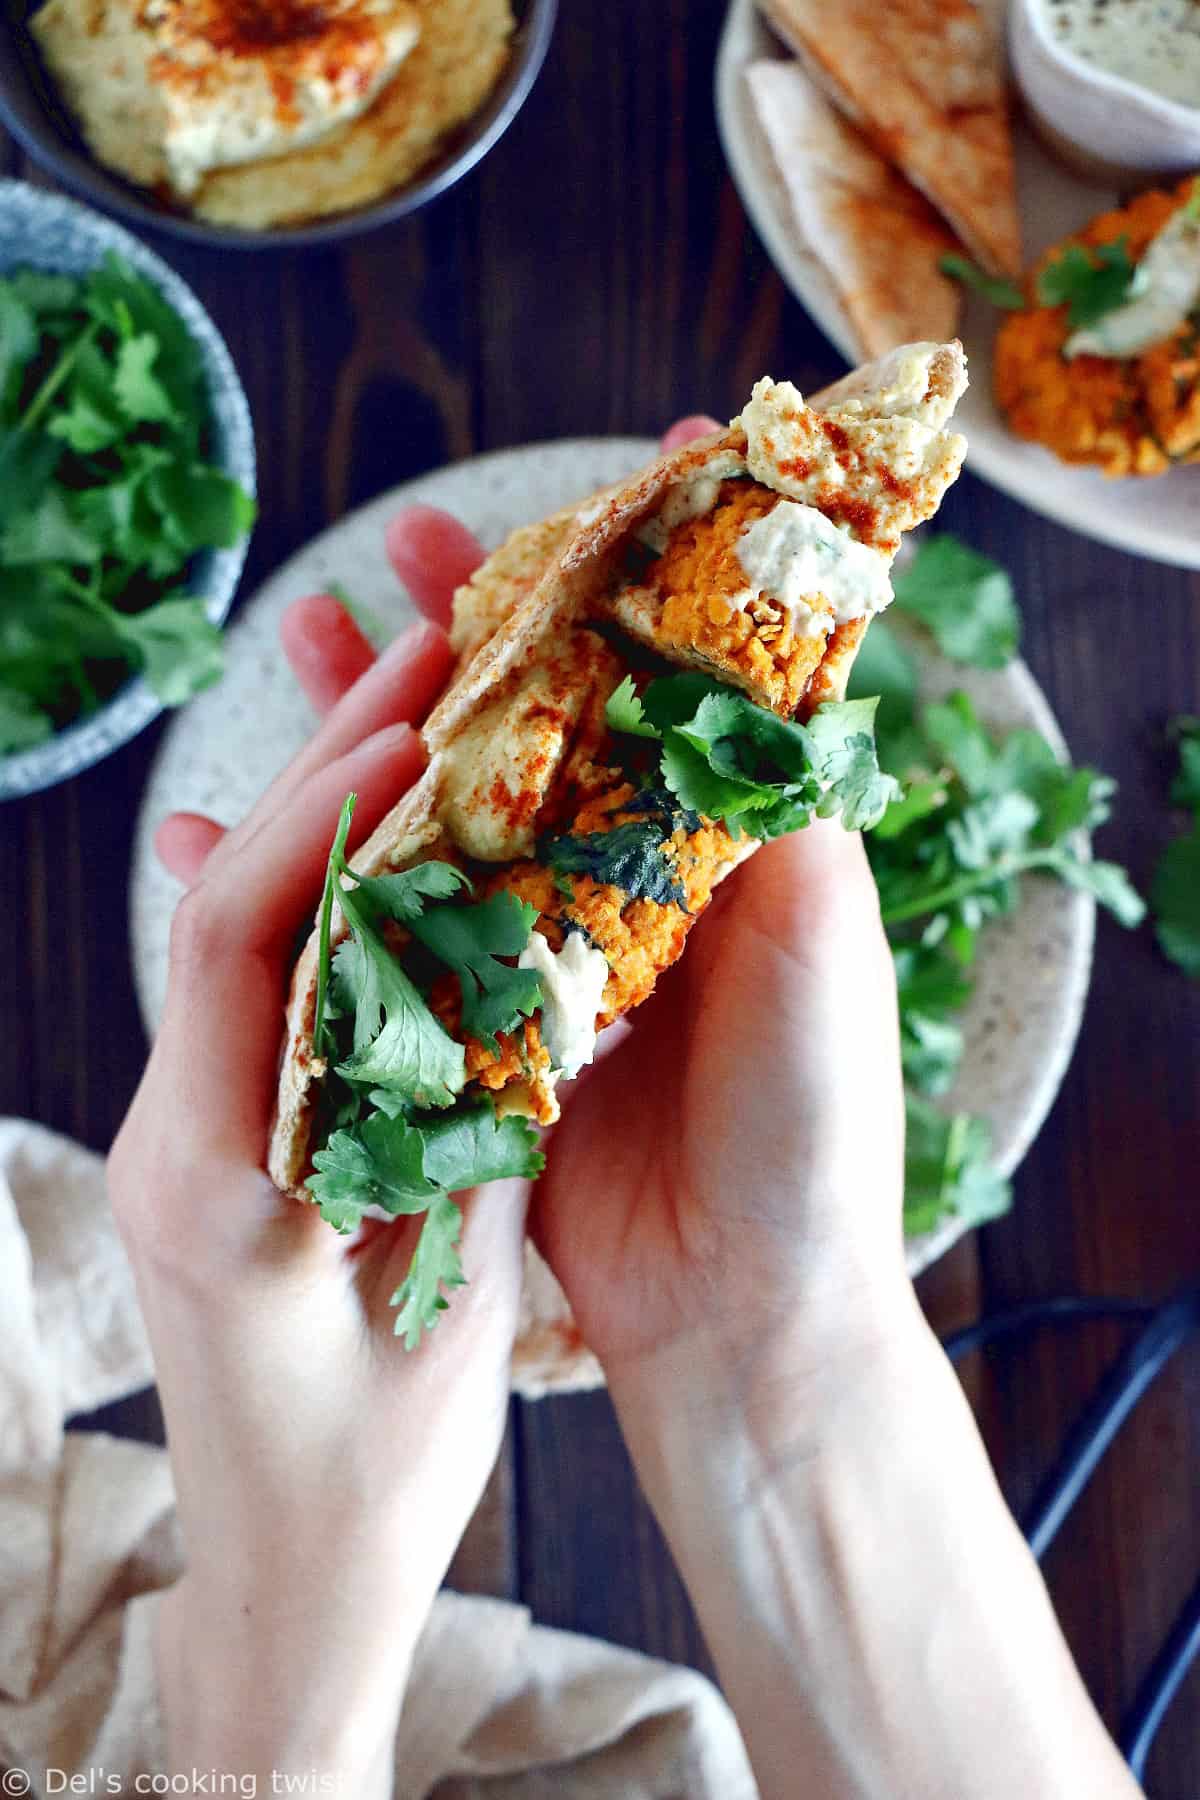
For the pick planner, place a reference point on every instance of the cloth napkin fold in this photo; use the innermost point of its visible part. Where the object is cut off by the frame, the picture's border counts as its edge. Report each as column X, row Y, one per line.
column 497, row 1707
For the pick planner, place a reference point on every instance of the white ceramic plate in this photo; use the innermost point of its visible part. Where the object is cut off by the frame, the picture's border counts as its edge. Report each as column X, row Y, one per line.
column 221, row 752
column 1158, row 518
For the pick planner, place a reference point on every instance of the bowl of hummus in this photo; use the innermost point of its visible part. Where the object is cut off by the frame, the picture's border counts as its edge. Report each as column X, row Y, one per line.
column 256, row 122
column 1113, row 86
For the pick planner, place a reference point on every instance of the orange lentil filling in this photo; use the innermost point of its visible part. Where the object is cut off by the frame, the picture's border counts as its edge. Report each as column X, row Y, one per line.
column 1132, row 416
column 640, row 938
column 700, row 578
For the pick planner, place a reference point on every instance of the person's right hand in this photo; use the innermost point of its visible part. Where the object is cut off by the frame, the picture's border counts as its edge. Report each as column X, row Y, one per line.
column 734, row 1170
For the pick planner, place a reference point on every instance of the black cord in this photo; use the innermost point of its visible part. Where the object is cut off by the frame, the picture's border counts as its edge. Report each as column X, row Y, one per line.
column 1115, row 1399
column 1161, row 1683
column 1165, row 1329
column 1068, row 1309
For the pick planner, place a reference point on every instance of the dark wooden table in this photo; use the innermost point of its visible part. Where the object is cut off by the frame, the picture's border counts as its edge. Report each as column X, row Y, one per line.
column 598, row 274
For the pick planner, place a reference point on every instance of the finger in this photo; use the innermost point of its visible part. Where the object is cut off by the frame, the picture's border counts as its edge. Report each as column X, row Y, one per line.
column 684, row 431
column 400, row 686
column 184, row 842
column 325, row 647
column 432, row 554
column 231, row 943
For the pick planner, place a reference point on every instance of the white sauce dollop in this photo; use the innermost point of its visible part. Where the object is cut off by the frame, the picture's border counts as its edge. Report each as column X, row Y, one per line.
column 793, row 553
column 1166, row 290
column 573, row 982
column 691, row 499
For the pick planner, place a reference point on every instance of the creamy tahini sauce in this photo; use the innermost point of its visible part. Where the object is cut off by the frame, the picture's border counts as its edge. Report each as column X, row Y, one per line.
column 1155, row 43
column 690, row 499
column 573, row 980
column 793, row 553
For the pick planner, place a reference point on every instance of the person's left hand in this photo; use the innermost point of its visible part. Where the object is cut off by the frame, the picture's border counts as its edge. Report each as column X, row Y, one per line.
column 324, row 1475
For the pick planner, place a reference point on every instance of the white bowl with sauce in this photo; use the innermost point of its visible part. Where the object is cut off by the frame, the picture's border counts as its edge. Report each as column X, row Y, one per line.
column 1101, row 110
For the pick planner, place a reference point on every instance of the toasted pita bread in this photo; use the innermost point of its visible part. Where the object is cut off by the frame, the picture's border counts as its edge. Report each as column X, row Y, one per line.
column 879, row 240
column 925, row 80
column 527, row 607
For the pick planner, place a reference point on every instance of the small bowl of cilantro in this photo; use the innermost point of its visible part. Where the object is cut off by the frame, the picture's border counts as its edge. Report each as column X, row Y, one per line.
column 126, row 489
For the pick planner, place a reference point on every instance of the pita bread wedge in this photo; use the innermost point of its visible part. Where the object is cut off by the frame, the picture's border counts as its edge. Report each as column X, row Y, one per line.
column 925, row 81
column 753, row 559
column 847, row 202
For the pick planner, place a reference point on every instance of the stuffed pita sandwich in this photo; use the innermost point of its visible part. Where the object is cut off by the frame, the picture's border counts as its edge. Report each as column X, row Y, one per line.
column 649, row 686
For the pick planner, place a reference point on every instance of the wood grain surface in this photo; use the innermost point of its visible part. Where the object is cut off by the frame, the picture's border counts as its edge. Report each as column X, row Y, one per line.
column 597, row 274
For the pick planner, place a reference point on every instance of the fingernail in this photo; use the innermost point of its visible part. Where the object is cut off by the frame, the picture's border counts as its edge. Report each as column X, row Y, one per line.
column 410, row 642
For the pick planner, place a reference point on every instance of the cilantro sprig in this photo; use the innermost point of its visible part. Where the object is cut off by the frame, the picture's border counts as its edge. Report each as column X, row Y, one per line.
column 979, row 812
column 1091, row 282
column 1002, row 293
column 105, row 495
column 402, row 1139
column 1175, row 888
column 727, row 758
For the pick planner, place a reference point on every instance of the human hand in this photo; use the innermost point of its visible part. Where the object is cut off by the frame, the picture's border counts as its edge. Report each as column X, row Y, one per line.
column 324, row 1477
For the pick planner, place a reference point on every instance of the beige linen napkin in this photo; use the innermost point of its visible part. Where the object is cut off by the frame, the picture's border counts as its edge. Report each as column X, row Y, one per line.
column 497, row 1708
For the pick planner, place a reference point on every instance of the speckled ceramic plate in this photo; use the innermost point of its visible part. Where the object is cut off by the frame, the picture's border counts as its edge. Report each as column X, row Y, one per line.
column 219, row 755
column 1158, row 518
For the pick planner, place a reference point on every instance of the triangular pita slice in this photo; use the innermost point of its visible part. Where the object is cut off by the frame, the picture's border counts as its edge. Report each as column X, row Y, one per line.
column 925, row 80
column 879, row 240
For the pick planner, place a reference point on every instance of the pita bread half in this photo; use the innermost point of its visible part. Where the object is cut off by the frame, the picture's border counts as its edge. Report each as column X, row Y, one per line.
column 925, row 80
column 519, row 612
column 879, row 240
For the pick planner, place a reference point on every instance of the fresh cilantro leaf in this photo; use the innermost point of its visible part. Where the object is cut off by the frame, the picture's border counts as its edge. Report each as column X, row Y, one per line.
column 19, row 337
column 1107, row 882
column 469, row 940
column 948, row 1169
column 179, row 648
column 126, row 304
column 953, row 729
column 624, row 711
column 435, row 1271
column 884, row 670
column 84, row 427
column 1001, row 293
column 377, row 1163
column 930, row 1050
column 855, row 786
column 199, row 506
column 140, row 395
column 965, row 599
column 406, row 1049
column 402, row 896
column 1185, row 789
column 471, row 1145
column 22, row 722
column 630, row 857
column 27, row 462
column 48, row 533
column 1092, row 282
column 44, row 294
column 1175, row 900
column 334, row 866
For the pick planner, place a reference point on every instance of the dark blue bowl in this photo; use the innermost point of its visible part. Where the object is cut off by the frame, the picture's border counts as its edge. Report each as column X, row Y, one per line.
column 32, row 111
column 42, row 230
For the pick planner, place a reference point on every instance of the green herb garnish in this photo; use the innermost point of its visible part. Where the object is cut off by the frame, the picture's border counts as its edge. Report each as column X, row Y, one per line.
column 1091, row 283
column 978, row 812
column 728, row 759
column 1175, row 889
column 401, row 1139
column 995, row 288
column 105, row 495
